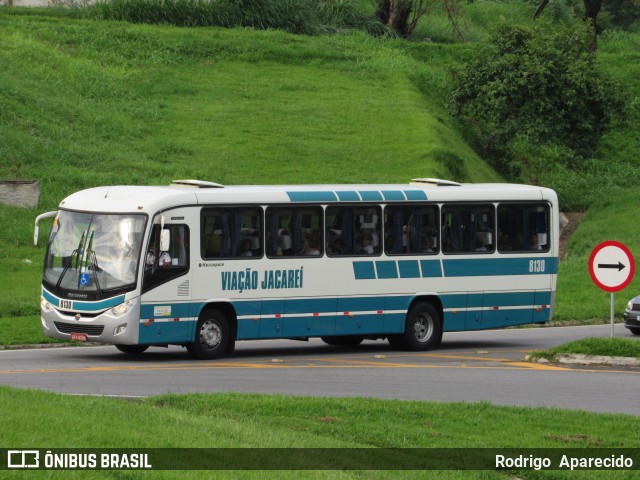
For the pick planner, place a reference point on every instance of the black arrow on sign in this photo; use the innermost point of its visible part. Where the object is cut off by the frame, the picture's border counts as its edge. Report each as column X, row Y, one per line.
column 619, row 266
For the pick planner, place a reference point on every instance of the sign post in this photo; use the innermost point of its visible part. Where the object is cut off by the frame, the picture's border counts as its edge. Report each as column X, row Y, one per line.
column 611, row 267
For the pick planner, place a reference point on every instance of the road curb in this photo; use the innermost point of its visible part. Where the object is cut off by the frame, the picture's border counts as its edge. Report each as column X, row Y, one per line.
column 580, row 359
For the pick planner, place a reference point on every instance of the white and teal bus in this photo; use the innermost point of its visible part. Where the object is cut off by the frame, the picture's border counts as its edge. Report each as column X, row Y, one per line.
column 203, row 265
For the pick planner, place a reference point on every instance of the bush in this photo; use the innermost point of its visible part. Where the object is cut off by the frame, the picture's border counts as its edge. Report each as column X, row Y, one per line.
column 536, row 98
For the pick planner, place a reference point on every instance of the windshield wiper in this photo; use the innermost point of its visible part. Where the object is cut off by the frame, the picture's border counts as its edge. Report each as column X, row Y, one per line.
column 96, row 268
column 67, row 265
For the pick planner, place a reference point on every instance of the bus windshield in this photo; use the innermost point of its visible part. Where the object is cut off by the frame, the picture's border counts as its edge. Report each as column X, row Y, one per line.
column 90, row 253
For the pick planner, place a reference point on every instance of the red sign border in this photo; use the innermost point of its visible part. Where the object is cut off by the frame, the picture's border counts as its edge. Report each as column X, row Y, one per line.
column 632, row 266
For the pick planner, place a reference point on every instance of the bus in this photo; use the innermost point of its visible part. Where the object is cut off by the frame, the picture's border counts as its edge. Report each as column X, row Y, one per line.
column 202, row 265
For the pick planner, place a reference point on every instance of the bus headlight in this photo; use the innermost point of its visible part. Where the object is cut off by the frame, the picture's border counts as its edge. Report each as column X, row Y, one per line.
column 45, row 305
column 122, row 309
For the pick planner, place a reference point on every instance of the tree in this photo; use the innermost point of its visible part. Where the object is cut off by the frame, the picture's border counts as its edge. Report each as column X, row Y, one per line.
column 535, row 88
column 401, row 15
column 591, row 11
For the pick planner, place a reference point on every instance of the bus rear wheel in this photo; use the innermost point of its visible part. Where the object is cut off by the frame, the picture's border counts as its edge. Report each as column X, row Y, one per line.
column 422, row 330
column 344, row 341
column 132, row 349
column 212, row 336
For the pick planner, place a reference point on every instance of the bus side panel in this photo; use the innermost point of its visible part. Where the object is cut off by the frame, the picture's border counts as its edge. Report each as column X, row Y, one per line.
column 272, row 319
column 395, row 309
column 309, row 317
column 473, row 319
column 502, row 309
column 359, row 316
column 166, row 323
column 542, row 302
column 455, row 312
column 248, row 314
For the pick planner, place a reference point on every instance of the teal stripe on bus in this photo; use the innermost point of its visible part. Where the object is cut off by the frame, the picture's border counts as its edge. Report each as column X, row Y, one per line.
column 431, row 268
column 393, row 195
column 317, row 196
column 370, row 195
column 387, row 269
column 326, row 196
column 364, row 271
column 500, row 266
column 82, row 306
column 415, row 195
column 348, row 196
column 409, row 268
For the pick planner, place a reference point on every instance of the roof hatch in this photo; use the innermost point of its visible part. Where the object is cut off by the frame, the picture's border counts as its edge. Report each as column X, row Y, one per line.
column 195, row 184
column 438, row 182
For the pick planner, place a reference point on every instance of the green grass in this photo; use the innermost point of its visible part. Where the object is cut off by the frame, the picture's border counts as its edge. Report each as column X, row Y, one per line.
column 610, row 347
column 260, row 421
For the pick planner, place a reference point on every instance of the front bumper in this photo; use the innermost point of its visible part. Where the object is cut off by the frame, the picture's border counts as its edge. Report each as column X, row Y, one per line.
column 104, row 326
column 632, row 318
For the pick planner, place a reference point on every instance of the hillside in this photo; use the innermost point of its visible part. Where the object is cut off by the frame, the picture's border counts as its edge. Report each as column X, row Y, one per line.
column 88, row 103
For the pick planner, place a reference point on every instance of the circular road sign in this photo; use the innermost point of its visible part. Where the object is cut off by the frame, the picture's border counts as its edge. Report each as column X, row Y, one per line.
column 611, row 266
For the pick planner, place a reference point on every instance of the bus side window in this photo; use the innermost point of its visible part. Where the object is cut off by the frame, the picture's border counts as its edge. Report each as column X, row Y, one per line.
column 523, row 228
column 353, row 231
column 234, row 232
column 294, row 231
column 411, row 230
column 468, row 229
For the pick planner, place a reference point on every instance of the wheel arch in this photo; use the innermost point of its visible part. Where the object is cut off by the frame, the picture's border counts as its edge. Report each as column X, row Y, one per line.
column 230, row 313
column 431, row 298
column 434, row 300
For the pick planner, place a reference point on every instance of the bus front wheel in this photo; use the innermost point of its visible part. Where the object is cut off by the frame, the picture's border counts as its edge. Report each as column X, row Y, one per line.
column 422, row 330
column 212, row 336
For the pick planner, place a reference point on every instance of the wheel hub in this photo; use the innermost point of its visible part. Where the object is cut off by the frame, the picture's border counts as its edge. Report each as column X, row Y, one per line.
column 210, row 334
column 423, row 328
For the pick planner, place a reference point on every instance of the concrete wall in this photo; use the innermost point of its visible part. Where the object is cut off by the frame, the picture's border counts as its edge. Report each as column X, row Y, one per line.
column 19, row 193
column 26, row 3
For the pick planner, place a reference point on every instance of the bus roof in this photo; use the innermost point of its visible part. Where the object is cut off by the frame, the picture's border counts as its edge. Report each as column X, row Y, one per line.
column 148, row 199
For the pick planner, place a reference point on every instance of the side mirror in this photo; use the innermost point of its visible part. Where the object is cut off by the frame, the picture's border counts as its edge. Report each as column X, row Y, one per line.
column 165, row 240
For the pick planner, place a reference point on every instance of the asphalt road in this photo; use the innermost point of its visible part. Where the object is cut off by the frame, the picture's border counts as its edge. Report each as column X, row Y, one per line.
column 469, row 366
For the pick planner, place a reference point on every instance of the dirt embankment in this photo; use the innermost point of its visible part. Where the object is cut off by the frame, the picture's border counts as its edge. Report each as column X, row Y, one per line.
column 569, row 222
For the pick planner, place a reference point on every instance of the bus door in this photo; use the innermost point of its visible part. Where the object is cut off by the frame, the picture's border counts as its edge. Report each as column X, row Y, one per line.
column 167, row 314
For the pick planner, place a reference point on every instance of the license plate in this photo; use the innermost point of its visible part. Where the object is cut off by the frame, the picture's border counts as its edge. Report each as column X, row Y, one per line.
column 79, row 337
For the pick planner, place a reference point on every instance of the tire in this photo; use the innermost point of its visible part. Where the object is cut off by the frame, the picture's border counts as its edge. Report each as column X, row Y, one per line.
column 345, row 341
column 132, row 349
column 422, row 329
column 212, row 336
column 635, row 331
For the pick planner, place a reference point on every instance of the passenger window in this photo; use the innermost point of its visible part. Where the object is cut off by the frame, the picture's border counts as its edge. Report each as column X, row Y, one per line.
column 523, row 228
column 354, row 231
column 411, row 230
column 468, row 229
column 231, row 233
column 294, row 232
